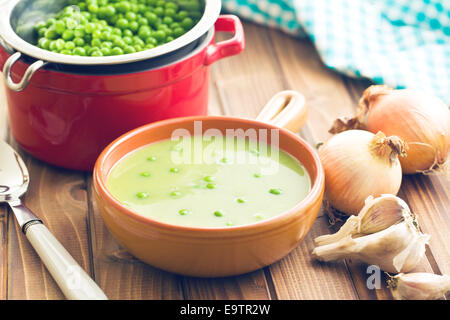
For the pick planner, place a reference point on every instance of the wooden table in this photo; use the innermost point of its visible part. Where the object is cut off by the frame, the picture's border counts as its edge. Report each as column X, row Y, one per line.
column 240, row 86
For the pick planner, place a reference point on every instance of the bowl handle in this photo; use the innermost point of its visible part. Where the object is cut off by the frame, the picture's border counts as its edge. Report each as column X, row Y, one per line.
column 235, row 45
column 22, row 84
column 287, row 109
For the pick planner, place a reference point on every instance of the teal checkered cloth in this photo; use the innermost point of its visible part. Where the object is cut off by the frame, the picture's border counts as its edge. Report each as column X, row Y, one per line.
column 400, row 43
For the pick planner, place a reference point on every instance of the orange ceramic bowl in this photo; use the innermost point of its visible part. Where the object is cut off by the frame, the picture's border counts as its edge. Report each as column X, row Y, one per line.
column 207, row 252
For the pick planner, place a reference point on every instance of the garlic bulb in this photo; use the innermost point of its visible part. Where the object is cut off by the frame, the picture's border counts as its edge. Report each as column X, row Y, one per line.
column 358, row 164
column 419, row 286
column 376, row 215
column 398, row 248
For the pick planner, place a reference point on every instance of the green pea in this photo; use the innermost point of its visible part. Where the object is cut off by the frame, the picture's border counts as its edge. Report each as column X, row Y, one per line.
column 129, row 49
column 142, row 21
column 93, row 8
column 178, row 31
column 218, row 213
column 89, row 28
column 152, row 18
column 44, row 43
column 275, row 191
column 159, row 11
column 257, row 175
column 152, row 41
column 69, row 45
column 65, row 51
column 118, row 42
column 182, row 14
column 142, row 195
column 96, row 43
column 79, row 32
column 96, row 53
column 133, row 26
column 174, row 170
column 144, row 32
column 258, row 216
column 79, row 51
column 175, row 194
column 127, row 33
column 152, row 158
column 229, row 223
column 130, row 16
column 240, row 200
column 70, row 23
column 127, row 40
column 106, row 51
column 224, row 160
column 96, row 34
column 122, row 23
column 60, row 44
column 171, row 5
column 51, row 34
column 79, row 42
column 68, row 35
column 211, row 185
column 209, row 179
column 138, row 41
column 167, row 20
column 116, row 51
column 42, row 31
column 184, row 212
column 60, row 26
column 123, row 6
column 187, row 23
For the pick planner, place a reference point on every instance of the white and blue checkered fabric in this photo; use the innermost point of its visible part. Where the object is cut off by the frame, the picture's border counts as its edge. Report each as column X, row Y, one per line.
column 401, row 43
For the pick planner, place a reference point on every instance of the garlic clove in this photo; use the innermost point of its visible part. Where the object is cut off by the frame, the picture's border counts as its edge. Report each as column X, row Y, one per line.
column 399, row 248
column 381, row 213
column 419, row 286
column 376, row 215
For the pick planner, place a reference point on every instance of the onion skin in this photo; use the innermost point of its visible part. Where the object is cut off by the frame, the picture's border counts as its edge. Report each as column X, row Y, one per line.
column 418, row 118
column 353, row 172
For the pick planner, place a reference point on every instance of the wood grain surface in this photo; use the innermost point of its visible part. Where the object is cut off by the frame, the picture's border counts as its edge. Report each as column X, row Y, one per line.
column 239, row 86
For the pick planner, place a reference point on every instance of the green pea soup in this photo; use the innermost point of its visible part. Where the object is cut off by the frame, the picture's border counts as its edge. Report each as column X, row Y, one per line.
column 200, row 182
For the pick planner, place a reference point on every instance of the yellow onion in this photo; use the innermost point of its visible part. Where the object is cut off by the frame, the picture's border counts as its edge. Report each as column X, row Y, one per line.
column 420, row 119
column 359, row 164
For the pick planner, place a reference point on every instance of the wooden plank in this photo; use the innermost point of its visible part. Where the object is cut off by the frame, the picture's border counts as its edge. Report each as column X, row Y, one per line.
column 232, row 79
column 326, row 96
column 119, row 274
column 250, row 286
column 298, row 276
column 429, row 198
column 58, row 197
column 245, row 85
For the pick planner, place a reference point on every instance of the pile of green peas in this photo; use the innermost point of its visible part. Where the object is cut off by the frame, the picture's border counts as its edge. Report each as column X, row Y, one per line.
column 99, row 28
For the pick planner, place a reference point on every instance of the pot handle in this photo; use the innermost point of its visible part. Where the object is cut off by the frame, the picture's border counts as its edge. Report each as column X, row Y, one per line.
column 287, row 109
column 216, row 51
column 27, row 75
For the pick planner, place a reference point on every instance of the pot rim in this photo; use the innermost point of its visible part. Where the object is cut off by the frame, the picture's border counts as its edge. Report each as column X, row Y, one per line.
column 11, row 39
column 201, row 46
column 316, row 191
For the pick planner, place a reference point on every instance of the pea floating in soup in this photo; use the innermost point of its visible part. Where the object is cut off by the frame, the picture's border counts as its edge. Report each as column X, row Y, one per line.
column 200, row 182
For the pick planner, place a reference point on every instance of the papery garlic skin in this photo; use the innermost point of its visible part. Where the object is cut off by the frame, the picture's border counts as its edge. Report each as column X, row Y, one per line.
column 398, row 248
column 376, row 215
column 419, row 286
column 353, row 170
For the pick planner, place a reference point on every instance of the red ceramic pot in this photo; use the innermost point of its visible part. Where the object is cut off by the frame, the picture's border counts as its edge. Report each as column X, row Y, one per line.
column 66, row 118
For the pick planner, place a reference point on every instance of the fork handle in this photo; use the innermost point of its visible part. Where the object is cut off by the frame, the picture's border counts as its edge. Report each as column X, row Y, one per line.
column 73, row 281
